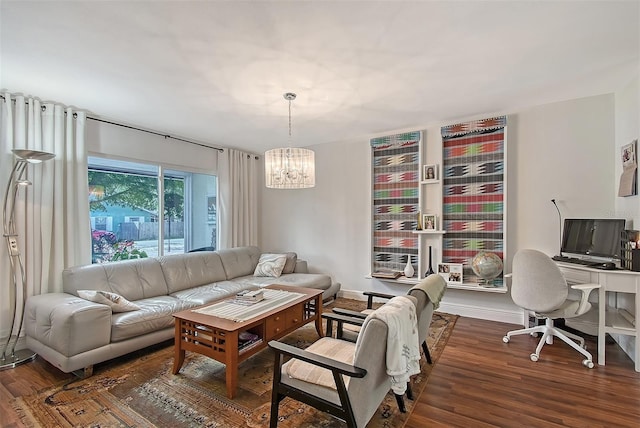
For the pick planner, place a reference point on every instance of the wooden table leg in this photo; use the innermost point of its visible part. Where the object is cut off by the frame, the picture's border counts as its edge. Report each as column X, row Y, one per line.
column 178, row 352
column 231, row 351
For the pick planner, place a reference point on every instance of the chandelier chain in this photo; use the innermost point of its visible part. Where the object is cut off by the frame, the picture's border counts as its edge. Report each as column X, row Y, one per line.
column 289, row 121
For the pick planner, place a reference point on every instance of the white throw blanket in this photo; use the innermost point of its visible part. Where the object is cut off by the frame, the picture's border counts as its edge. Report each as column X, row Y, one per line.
column 403, row 349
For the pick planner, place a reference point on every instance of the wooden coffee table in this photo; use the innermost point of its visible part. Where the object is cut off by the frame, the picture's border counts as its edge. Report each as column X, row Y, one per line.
column 217, row 337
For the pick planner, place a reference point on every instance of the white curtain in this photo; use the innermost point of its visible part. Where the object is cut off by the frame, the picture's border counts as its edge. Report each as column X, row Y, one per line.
column 238, row 193
column 52, row 215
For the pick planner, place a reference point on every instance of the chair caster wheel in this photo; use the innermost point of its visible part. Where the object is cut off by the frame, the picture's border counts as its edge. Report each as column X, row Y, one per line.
column 505, row 339
column 534, row 357
column 588, row 363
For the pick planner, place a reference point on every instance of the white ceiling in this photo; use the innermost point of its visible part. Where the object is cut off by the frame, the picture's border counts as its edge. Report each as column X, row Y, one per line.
column 215, row 71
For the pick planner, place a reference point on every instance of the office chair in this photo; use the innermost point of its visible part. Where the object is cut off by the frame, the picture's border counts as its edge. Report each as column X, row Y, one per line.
column 538, row 286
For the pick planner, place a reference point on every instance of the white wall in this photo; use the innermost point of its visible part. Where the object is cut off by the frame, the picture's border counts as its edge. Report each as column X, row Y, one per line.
column 627, row 108
column 328, row 225
column 562, row 151
column 627, row 123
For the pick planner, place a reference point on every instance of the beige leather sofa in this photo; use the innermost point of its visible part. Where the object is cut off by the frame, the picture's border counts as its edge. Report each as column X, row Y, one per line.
column 73, row 333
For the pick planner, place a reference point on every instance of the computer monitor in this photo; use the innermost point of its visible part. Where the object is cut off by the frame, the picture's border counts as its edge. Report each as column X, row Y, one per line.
column 592, row 238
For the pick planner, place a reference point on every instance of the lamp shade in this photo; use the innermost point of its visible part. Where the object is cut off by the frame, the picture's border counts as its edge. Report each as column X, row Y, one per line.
column 290, row 168
column 33, row 156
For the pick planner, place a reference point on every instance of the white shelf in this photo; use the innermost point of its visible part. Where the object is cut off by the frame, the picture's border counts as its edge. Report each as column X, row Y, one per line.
column 399, row 280
column 477, row 287
column 616, row 323
column 430, row 182
column 470, row 287
column 429, row 232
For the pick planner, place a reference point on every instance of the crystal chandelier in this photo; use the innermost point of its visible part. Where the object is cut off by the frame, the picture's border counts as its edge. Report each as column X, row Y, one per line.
column 291, row 167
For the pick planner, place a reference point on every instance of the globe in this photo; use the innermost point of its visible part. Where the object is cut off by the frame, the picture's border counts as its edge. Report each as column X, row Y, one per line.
column 487, row 266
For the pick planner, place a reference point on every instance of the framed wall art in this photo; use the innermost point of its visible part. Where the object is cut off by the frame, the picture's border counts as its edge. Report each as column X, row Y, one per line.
column 430, row 172
column 473, row 192
column 629, row 178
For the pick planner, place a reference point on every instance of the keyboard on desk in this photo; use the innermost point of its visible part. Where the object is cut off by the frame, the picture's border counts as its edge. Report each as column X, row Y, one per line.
column 573, row 260
column 576, row 261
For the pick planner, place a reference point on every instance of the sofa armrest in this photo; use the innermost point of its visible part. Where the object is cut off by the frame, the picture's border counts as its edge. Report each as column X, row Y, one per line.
column 66, row 323
column 301, row 266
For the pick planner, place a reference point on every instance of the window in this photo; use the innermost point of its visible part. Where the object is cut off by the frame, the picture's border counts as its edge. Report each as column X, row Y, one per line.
column 124, row 209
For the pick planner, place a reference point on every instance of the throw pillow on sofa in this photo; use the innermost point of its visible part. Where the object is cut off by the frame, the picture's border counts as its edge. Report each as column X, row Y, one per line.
column 116, row 301
column 290, row 264
column 270, row 265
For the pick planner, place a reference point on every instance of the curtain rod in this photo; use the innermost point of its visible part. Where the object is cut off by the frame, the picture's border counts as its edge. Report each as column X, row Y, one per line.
column 143, row 130
column 154, row 133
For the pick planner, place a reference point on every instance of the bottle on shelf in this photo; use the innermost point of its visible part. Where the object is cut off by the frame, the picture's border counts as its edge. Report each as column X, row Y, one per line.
column 430, row 270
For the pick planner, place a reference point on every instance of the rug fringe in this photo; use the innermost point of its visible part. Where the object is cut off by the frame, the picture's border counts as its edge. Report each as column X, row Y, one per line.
column 26, row 418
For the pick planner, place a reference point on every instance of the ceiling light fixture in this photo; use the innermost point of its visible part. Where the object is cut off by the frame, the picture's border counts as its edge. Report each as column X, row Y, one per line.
column 291, row 167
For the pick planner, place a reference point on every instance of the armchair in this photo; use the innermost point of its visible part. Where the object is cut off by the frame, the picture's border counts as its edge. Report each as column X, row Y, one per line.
column 538, row 286
column 428, row 293
column 345, row 379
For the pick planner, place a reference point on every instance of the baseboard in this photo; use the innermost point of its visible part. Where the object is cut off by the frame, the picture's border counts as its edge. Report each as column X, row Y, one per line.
column 355, row 295
column 470, row 311
column 483, row 313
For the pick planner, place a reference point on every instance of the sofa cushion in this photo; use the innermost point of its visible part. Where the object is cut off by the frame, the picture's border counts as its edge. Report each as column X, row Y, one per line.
column 335, row 349
column 239, row 261
column 116, row 302
column 154, row 314
column 133, row 279
column 308, row 280
column 184, row 271
column 210, row 292
column 270, row 265
column 290, row 265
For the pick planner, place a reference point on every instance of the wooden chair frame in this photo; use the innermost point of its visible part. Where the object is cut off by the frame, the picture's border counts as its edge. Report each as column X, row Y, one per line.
column 280, row 390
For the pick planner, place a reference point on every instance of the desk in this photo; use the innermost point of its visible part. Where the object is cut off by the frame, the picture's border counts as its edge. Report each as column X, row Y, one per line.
column 610, row 320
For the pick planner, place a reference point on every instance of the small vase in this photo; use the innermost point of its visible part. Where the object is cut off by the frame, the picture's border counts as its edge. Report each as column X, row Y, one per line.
column 408, row 269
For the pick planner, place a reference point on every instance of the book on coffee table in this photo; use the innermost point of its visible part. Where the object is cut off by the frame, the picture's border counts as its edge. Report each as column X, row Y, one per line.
column 248, row 340
column 249, row 296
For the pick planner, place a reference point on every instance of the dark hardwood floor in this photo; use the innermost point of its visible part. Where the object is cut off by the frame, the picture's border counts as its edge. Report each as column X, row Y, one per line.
column 479, row 381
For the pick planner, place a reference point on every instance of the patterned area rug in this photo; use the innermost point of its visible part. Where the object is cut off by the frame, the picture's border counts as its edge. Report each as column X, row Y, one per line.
column 138, row 390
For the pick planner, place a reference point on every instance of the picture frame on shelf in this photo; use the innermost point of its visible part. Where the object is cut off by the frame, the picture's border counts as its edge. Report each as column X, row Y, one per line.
column 451, row 272
column 429, row 222
column 430, row 172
